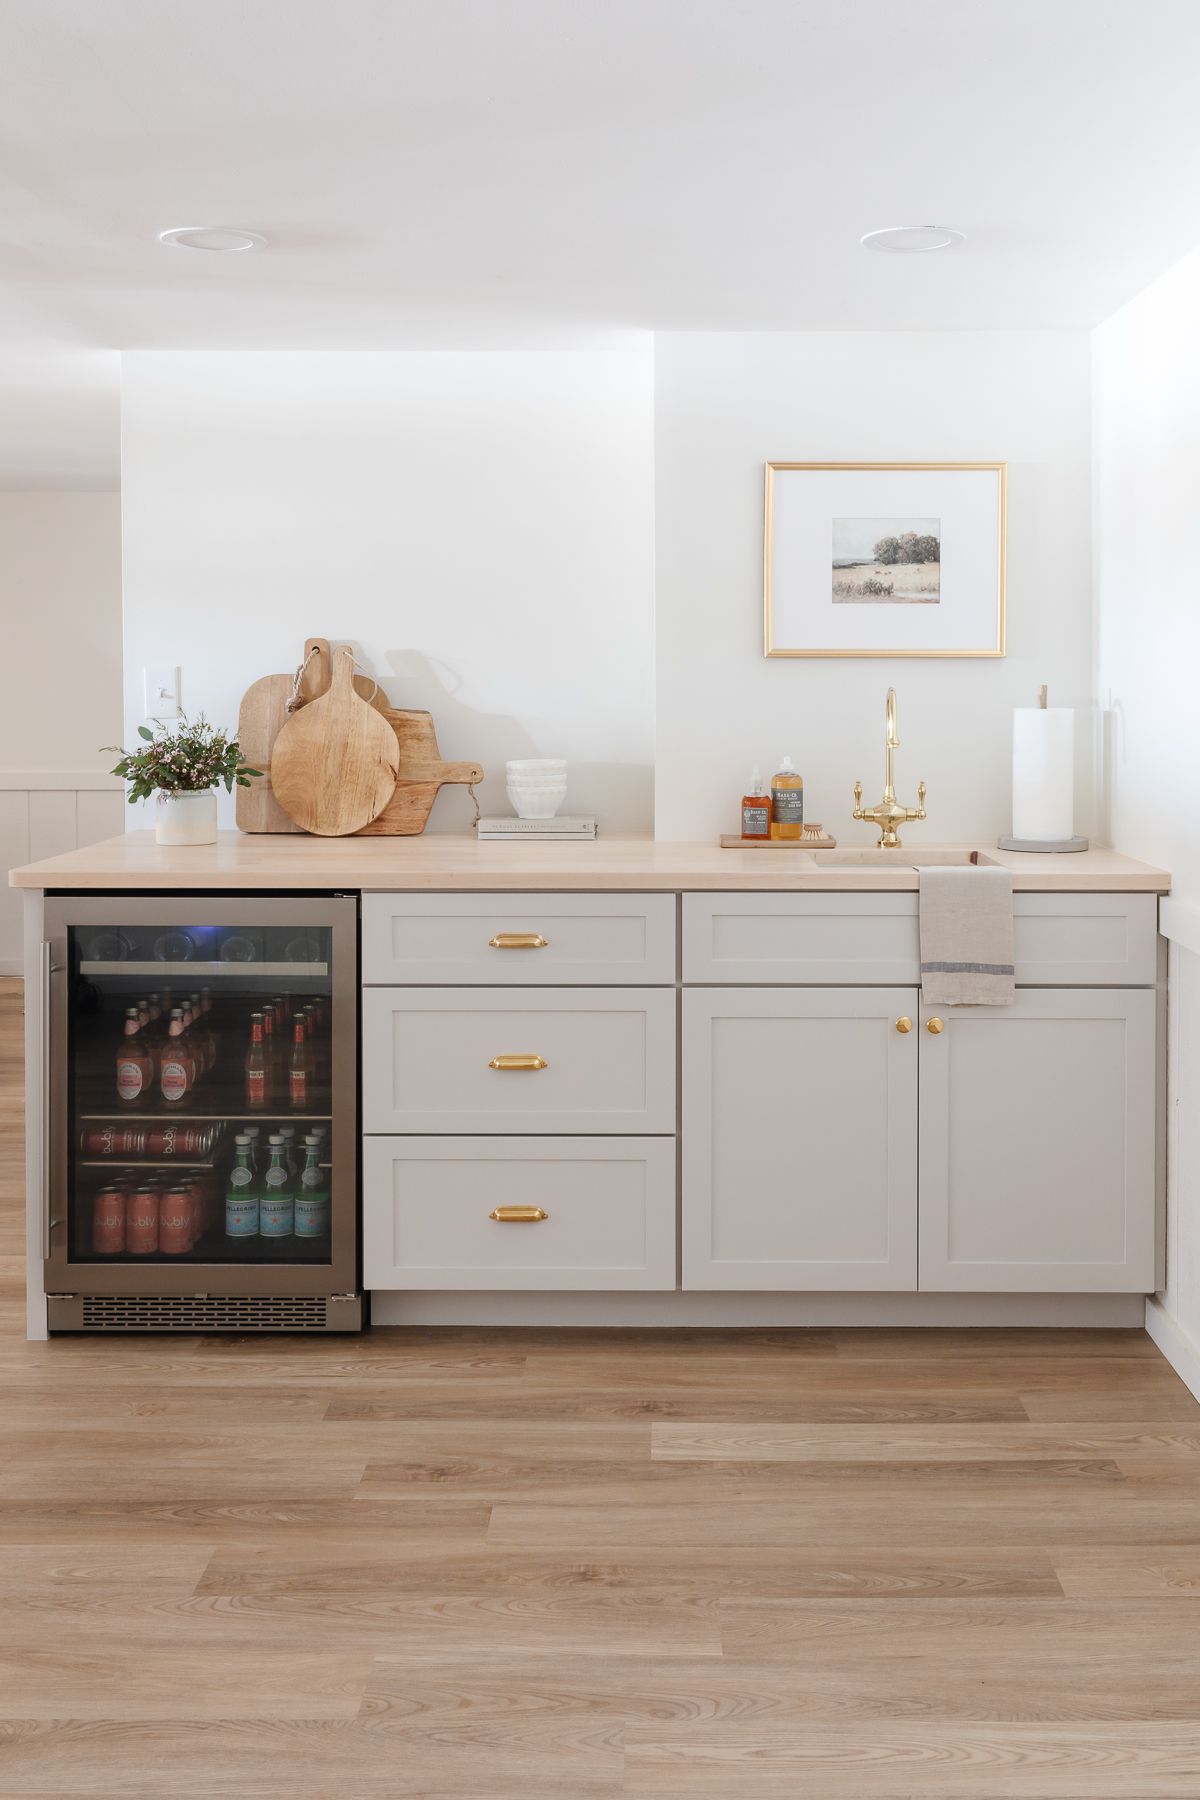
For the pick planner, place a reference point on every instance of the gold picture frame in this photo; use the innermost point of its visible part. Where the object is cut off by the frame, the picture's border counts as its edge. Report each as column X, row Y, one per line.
column 993, row 647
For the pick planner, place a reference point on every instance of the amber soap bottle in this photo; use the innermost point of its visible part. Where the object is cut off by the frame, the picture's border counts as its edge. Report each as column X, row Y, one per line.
column 787, row 802
column 756, row 810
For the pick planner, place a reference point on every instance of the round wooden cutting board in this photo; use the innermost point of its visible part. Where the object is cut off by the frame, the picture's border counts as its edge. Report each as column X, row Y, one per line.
column 334, row 763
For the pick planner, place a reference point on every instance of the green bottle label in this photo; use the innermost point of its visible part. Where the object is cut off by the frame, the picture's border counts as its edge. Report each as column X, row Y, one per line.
column 788, row 804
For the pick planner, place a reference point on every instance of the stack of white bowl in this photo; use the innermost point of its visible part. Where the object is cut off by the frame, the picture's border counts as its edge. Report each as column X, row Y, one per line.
column 537, row 785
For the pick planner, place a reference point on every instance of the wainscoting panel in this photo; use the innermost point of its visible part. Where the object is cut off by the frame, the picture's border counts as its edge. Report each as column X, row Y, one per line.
column 42, row 813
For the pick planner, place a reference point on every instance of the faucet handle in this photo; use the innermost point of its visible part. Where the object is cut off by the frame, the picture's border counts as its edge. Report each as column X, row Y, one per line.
column 857, row 813
column 920, row 811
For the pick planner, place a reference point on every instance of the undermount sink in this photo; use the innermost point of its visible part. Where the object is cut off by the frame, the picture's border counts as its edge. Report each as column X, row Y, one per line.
column 876, row 858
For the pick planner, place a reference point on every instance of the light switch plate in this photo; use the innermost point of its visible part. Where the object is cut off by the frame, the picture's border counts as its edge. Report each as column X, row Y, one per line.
column 161, row 691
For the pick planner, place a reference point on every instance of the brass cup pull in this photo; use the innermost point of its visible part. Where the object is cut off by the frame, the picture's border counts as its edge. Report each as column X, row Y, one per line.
column 518, row 1215
column 903, row 1025
column 518, row 1062
column 518, row 940
column 935, row 1025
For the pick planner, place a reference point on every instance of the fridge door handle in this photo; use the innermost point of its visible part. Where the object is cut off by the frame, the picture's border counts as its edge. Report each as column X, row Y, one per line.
column 47, row 969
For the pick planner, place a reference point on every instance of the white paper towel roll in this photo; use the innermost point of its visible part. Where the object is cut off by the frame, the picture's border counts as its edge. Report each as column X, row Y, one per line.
column 1043, row 772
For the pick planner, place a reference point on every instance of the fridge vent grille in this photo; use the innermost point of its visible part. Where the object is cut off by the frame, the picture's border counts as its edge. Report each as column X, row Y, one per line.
column 212, row 1312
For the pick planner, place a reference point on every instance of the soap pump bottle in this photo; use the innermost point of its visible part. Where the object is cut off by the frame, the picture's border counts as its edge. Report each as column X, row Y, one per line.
column 787, row 802
column 756, row 810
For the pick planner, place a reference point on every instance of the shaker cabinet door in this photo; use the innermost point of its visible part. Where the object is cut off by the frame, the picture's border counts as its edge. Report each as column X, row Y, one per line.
column 1038, row 1144
column 800, row 1138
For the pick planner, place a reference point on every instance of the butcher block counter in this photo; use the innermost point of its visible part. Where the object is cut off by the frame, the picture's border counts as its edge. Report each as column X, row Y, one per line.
column 437, row 860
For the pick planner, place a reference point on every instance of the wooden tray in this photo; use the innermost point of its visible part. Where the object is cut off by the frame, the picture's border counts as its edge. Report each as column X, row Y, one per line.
column 820, row 841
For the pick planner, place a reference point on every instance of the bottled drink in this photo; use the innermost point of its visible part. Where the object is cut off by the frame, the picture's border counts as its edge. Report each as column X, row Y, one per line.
column 271, row 1052
column 256, row 1064
column 135, row 1065
column 277, row 1205
column 300, row 1083
column 291, row 1161
column 241, row 1198
column 312, row 1196
column 177, row 1071
column 756, row 809
column 258, row 1161
column 787, row 802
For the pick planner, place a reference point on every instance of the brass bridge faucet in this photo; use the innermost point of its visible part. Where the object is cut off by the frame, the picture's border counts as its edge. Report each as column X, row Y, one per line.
column 889, row 813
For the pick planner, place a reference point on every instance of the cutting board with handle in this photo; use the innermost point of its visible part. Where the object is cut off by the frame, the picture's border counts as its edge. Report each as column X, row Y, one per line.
column 261, row 717
column 422, row 774
column 334, row 762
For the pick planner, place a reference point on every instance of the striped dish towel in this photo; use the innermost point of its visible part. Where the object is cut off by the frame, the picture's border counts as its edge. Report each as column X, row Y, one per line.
column 966, row 937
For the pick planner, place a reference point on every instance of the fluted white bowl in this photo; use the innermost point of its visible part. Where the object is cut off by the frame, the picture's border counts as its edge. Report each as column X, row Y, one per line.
column 536, row 803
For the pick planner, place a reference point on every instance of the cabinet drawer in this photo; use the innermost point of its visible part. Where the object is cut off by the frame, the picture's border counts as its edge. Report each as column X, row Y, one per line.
column 597, row 1060
column 525, row 940
column 1086, row 940
column 429, row 1207
column 829, row 939
column 1060, row 940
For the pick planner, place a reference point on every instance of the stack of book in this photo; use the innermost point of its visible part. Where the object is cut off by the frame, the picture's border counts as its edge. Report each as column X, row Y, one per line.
column 536, row 830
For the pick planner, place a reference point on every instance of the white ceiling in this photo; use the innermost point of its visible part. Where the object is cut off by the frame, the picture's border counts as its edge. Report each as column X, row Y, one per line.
column 537, row 172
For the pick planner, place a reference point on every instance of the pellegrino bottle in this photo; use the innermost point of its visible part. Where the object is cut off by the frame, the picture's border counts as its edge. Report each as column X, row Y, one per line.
column 277, row 1203
column 241, row 1198
column 312, row 1196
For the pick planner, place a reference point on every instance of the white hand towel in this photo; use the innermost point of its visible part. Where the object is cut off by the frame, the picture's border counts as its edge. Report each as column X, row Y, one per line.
column 966, row 937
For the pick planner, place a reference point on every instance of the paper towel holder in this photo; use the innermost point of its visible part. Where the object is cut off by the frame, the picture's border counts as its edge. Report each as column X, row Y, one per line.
column 1052, row 846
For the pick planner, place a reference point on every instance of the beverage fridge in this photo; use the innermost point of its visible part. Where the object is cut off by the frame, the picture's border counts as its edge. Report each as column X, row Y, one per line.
column 202, row 1167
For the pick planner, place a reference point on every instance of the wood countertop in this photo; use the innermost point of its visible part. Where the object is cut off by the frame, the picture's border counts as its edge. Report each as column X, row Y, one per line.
column 295, row 863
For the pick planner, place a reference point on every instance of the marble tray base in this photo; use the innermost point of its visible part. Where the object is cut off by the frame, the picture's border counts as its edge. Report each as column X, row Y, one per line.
column 1058, row 845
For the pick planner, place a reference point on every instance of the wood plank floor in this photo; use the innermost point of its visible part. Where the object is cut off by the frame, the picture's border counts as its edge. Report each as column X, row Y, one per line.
column 577, row 1566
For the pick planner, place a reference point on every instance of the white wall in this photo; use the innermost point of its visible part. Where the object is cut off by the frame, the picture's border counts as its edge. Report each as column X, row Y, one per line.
column 60, row 603
column 727, row 403
column 478, row 525
column 60, row 599
column 1147, row 454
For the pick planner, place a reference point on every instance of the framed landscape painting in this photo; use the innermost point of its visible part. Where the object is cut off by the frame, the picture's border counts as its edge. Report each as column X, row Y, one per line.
column 885, row 559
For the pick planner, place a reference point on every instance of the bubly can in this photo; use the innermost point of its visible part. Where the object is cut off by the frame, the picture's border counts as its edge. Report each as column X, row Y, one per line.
column 108, row 1221
column 141, row 1222
column 176, row 1220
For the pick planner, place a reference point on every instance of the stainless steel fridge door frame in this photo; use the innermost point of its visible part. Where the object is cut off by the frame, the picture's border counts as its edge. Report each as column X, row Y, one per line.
column 338, row 1276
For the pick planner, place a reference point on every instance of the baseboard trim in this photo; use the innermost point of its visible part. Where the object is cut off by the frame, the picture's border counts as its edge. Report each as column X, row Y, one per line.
column 748, row 1310
column 1178, row 1346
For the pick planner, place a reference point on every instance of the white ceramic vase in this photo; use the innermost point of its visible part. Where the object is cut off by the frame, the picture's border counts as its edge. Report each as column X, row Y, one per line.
column 186, row 818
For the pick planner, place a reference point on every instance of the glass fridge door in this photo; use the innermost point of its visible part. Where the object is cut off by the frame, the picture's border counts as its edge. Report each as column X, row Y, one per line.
column 203, row 1118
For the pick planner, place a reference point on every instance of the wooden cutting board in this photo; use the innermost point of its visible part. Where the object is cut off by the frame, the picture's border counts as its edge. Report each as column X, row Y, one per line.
column 422, row 774
column 334, row 763
column 261, row 717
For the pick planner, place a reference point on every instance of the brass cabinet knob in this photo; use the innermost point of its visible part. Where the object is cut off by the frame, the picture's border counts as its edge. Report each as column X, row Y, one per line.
column 935, row 1025
column 518, row 1215
column 903, row 1025
column 518, row 1062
